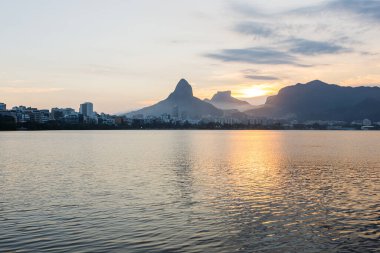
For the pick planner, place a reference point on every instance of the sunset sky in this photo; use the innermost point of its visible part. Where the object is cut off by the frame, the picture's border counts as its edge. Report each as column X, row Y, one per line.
column 126, row 54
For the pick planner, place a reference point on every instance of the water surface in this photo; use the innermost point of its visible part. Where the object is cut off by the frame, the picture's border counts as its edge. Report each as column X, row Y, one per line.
column 190, row 191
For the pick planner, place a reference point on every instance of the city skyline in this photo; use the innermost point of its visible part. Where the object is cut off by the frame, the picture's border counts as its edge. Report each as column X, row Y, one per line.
column 128, row 54
column 314, row 102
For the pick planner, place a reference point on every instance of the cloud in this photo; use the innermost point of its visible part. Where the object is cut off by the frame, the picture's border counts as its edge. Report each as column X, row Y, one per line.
column 328, row 18
column 260, row 77
column 255, row 28
column 297, row 35
column 255, row 55
column 246, row 9
column 365, row 9
column 310, row 47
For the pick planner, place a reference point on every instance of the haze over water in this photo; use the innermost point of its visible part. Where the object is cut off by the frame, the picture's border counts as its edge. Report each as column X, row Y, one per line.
column 190, row 191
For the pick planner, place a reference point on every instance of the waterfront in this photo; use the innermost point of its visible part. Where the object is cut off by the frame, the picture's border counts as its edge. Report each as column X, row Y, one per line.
column 190, row 191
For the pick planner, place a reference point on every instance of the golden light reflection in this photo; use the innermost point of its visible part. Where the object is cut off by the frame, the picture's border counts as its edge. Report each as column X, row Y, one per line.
column 247, row 162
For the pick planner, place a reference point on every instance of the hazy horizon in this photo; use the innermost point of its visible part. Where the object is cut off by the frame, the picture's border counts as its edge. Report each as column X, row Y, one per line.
column 124, row 55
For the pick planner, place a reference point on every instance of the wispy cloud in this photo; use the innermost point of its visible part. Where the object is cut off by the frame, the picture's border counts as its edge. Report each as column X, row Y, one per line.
column 258, row 29
column 246, row 9
column 290, row 35
column 261, row 77
column 255, row 55
column 364, row 9
column 310, row 47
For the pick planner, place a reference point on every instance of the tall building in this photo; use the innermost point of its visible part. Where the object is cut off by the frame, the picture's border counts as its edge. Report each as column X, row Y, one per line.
column 3, row 107
column 87, row 109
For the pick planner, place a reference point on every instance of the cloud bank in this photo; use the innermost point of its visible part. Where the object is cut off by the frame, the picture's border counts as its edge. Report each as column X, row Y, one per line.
column 300, row 36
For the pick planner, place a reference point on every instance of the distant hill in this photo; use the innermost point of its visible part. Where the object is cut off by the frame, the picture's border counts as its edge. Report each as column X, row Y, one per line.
column 317, row 100
column 181, row 103
column 256, row 101
column 223, row 100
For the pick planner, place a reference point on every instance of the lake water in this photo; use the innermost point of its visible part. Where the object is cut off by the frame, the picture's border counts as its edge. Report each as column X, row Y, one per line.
column 190, row 191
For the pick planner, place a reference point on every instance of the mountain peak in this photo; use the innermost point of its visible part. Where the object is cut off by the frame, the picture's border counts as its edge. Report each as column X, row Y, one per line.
column 222, row 95
column 225, row 101
column 181, row 104
column 316, row 82
column 182, row 90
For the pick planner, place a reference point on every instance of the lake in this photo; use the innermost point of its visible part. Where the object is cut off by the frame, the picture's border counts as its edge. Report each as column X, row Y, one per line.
column 190, row 191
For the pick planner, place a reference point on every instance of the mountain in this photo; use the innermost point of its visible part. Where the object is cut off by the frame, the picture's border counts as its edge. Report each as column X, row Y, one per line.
column 223, row 100
column 181, row 103
column 317, row 100
column 255, row 101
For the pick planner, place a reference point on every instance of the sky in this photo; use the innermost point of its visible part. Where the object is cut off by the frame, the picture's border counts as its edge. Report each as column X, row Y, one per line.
column 126, row 54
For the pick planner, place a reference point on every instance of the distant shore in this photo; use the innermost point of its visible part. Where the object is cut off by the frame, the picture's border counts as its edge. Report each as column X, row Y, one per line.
column 189, row 128
column 161, row 125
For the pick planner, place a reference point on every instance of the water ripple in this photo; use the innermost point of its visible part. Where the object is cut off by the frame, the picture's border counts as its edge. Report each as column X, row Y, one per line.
column 189, row 191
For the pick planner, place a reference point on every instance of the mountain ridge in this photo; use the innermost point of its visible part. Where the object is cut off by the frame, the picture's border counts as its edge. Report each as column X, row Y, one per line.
column 314, row 100
column 224, row 100
column 181, row 103
column 317, row 100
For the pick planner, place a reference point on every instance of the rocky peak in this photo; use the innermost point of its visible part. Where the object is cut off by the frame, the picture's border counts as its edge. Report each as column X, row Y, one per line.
column 182, row 90
column 222, row 95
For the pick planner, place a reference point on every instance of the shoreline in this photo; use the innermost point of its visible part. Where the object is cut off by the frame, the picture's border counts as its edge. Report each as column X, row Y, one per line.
column 191, row 129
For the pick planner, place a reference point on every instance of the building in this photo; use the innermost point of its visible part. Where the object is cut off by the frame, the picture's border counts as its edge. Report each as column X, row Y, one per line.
column 3, row 107
column 21, row 114
column 39, row 116
column 119, row 120
column 165, row 118
column 64, row 114
column 367, row 125
column 367, row 122
column 87, row 109
column 25, row 114
column 106, row 119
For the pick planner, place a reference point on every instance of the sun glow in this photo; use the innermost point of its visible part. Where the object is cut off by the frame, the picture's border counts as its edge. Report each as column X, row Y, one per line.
column 253, row 92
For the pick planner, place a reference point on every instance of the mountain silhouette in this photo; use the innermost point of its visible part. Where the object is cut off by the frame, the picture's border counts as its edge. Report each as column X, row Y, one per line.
column 183, row 90
column 317, row 100
column 181, row 103
column 224, row 100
